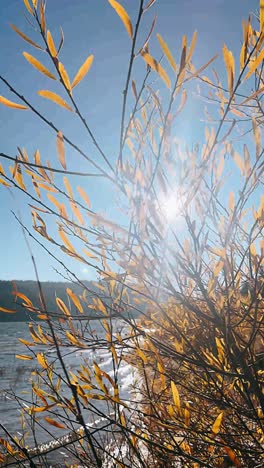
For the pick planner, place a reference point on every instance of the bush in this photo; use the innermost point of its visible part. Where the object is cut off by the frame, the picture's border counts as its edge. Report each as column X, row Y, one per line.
column 179, row 294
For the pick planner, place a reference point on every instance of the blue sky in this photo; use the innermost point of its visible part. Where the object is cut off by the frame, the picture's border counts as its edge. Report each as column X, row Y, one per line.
column 91, row 26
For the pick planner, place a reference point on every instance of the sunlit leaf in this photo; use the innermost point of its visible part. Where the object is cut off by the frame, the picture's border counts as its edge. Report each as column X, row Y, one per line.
column 83, row 70
column 123, row 16
column 167, row 52
column 64, row 76
column 26, row 38
column 84, row 196
column 253, row 65
column 261, row 15
column 66, row 241
column 38, row 65
column 42, row 361
column 54, row 423
column 217, row 424
column 28, row 7
column 157, row 67
column 230, row 68
column 55, row 98
column 62, row 306
column 75, row 299
column 24, row 357
column 176, row 396
column 61, row 149
column 51, row 44
column 11, row 104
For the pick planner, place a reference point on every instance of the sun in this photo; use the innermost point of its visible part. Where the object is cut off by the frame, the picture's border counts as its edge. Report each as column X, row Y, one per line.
column 171, row 207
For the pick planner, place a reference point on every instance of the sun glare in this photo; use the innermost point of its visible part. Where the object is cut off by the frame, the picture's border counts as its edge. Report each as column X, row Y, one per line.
column 171, row 207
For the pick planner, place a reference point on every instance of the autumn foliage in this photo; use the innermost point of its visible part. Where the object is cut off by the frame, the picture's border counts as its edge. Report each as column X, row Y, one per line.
column 180, row 290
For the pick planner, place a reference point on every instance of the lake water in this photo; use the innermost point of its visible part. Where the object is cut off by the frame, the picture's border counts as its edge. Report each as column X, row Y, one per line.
column 15, row 374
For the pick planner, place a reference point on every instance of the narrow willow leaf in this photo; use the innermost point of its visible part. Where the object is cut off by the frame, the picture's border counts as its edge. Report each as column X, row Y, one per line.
column 42, row 17
column 54, row 423
column 11, row 104
column 134, row 89
column 51, row 44
column 167, row 52
column 62, row 307
column 61, row 41
column 76, row 212
column 253, row 65
column 65, row 77
column 66, row 241
column 84, row 196
column 28, row 7
column 257, row 137
column 192, row 46
column 24, row 357
column 231, row 203
column 217, row 423
column 7, row 311
column 55, row 98
column 42, row 361
column 61, row 149
column 68, row 187
column 83, row 70
column 261, row 15
column 26, row 38
column 230, row 68
column 157, row 67
column 35, row 4
column 175, row 396
column 75, row 300
column 123, row 16
column 38, row 65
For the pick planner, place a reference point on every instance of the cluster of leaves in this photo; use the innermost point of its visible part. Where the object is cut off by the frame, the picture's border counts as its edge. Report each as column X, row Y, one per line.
column 184, row 251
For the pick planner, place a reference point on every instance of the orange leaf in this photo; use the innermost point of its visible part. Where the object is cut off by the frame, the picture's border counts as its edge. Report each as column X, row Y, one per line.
column 24, row 357
column 65, row 77
column 66, row 241
column 55, row 423
column 123, row 16
column 167, row 52
column 217, row 423
column 55, row 98
column 38, row 65
column 11, row 104
column 42, row 361
column 157, row 67
column 83, row 70
column 8, row 311
column 75, row 299
column 26, row 38
column 84, row 196
column 51, row 44
column 28, row 7
column 61, row 149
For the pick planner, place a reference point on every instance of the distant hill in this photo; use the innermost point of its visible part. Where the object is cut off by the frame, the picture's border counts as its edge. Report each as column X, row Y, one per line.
column 51, row 290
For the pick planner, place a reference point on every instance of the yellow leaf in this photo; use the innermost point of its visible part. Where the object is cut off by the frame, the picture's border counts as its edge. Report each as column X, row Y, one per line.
column 65, row 77
column 230, row 68
column 8, row 311
column 26, row 38
column 42, row 361
column 55, row 98
column 72, row 338
column 28, row 7
column 3, row 182
column 83, row 70
column 217, row 423
column 231, row 203
column 84, row 196
column 253, row 65
column 61, row 149
column 51, row 44
column 123, row 16
column 157, row 67
column 76, row 212
column 68, row 187
column 66, row 241
column 38, row 65
column 192, row 46
column 176, row 396
column 62, row 307
column 75, row 300
column 35, row 3
column 167, row 52
column 42, row 17
column 55, row 423
column 24, row 357
column 257, row 137
column 11, row 104
column 261, row 15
